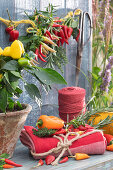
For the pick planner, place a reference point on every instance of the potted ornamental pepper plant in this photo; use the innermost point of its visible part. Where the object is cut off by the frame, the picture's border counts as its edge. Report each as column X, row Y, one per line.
column 13, row 60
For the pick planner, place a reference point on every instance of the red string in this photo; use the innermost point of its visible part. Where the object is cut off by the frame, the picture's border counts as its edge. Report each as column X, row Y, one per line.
column 71, row 101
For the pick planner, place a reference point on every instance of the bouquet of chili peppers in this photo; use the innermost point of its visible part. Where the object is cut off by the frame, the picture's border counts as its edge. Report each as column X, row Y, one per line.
column 46, row 39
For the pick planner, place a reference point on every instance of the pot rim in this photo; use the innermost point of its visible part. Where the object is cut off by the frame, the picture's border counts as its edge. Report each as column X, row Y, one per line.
column 26, row 110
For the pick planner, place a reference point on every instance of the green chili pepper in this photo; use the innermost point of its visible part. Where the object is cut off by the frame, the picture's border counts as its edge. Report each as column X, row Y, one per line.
column 23, row 62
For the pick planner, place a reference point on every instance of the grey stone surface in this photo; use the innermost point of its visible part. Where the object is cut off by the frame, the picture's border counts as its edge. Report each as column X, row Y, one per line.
column 95, row 162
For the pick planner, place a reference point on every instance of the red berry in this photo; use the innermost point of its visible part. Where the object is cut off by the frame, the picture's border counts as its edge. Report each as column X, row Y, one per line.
column 14, row 34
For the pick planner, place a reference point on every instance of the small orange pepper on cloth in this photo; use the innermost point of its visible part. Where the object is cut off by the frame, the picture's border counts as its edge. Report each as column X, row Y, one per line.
column 109, row 148
column 50, row 122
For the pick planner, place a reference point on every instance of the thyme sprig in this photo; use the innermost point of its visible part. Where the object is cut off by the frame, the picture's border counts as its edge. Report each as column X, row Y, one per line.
column 43, row 132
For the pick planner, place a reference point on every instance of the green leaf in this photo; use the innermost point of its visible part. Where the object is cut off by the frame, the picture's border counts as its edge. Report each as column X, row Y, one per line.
column 11, row 104
column 74, row 24
column 49, row 76
column 7, row 83
column 2, row 62
column 96, row 70
column 75, row 32
column 15, row 73
column 11, row 65
column 33, row 92
column 3, row 99
column 95, row 76
column 1, row 168
column 14, row 84
column 4, row 155
column 18, row 90
column 19, row 105
column 13, row 77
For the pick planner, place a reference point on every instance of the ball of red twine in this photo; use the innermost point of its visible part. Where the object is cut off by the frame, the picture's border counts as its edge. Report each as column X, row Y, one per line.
column 71, row 101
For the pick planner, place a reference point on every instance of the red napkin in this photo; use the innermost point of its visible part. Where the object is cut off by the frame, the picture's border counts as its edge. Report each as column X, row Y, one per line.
column 94, row 143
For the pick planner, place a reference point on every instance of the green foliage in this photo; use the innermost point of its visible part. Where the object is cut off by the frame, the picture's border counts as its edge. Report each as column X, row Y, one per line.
column 43, row 132
column 11, row 73
column 33, row 92
column 102, row 50
column 58, row 59
column 49, row 76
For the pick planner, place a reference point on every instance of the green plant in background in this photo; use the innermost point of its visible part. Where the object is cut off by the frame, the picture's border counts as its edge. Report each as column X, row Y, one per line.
column 102, row 61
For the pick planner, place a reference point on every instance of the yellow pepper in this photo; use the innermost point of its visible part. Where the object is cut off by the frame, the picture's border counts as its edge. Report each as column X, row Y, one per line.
column 50, row 122
column 1, row 51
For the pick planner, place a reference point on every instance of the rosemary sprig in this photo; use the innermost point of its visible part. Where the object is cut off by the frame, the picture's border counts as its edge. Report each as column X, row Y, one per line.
column 84, row 118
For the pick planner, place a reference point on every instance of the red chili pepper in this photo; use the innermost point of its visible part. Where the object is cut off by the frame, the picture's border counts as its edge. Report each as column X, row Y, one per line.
column 61, row 34
column 49, row 34
column 57, row 21
column 109, row 139
column 36, row 58
column 9, row 29
column 77, row 38
column 76, row 130
column 62, row 41
column 57, row 18
column 12, row 163
column 60, row 131
column 69, row 32
column 82, row 128
column 65, row 28
column 65, row 159
column 56, row 25
column 36, row 51
column 49, row 159
column 55, row 32
column 40, row 50
column 88, row 126
column 40, row 163
column 66, row 41
column 71, row 128
column 14, row 34
column 40, row 57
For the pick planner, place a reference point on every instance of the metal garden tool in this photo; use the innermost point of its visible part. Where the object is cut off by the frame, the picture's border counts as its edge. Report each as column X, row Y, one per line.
column 81, row 43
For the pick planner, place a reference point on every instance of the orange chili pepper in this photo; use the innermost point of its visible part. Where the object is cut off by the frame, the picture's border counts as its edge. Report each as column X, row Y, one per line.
column 7, row 166
column 50, row 122
column 109, row 148
column 80, row 156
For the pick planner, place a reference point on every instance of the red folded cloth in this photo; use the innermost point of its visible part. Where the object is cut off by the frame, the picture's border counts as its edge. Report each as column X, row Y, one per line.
column 94, row 143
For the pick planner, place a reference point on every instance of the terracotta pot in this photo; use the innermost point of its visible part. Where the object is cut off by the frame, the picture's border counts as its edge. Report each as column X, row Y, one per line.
column 107, row 129
column 11, row 125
